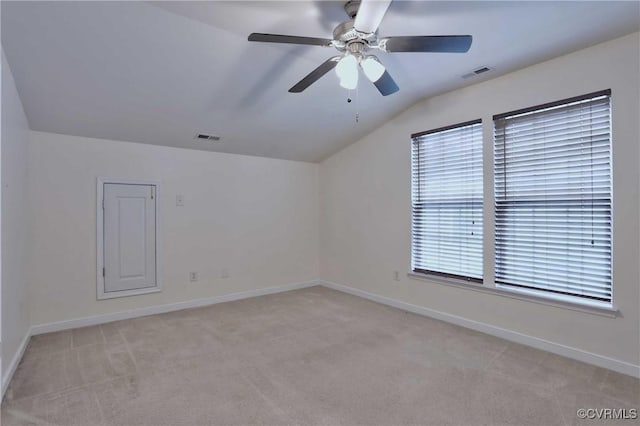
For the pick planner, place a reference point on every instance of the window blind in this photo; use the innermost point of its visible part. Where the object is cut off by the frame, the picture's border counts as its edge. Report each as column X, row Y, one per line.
column 447, row 201
column 553, row 198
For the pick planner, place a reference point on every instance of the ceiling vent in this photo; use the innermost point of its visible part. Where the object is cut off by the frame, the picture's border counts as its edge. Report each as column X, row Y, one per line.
column 206, row 137
column 478, row 71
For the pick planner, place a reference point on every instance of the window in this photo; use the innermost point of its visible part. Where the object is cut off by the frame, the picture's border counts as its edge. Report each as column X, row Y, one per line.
column 553, row 198
column 447, row 201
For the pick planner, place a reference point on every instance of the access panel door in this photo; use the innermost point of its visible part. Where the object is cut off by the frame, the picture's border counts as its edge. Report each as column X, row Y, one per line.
column 129, row 237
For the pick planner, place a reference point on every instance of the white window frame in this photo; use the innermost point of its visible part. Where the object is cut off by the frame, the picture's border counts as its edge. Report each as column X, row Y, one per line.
column 101, row 294
column 538, row 292
column 432, row 272
column 489, row 286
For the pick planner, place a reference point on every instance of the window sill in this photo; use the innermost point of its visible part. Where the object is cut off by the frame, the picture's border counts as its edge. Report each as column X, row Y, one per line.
column 528, row 296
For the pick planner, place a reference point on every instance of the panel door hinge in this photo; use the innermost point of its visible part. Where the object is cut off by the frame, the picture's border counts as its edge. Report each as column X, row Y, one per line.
column 103, row 272
column 103, row 204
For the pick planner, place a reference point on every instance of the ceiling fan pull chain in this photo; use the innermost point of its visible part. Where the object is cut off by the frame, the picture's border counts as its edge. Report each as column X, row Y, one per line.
column 357, row 98
column 349, row 99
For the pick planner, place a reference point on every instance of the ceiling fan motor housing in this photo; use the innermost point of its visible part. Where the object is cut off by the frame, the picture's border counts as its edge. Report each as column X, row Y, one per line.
column 345, row 32
column 347, row 38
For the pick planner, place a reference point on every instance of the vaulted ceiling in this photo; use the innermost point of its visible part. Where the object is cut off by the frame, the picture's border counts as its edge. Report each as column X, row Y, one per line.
column 160, row 72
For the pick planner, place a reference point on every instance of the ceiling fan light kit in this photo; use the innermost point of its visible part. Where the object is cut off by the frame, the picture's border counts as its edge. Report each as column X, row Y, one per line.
column 372, row 68
column 347, row 71
column 355, row 37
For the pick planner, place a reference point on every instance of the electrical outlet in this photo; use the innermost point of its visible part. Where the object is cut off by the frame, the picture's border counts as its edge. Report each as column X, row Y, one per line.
column 193, row 276
column 396, row 275
column 224, row 273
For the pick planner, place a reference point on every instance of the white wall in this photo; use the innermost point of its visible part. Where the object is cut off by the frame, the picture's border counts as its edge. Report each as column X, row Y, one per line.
column 256, row 217
column 366, row 217
column 15, row 220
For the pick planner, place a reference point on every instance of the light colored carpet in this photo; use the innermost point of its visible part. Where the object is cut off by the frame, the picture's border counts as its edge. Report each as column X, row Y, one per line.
column 312, row 356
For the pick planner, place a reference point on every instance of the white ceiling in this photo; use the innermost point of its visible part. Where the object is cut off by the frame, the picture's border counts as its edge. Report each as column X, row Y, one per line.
column 159, row 73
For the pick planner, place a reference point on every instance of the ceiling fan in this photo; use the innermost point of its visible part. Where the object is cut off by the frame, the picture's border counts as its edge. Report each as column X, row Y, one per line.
column 359, row 35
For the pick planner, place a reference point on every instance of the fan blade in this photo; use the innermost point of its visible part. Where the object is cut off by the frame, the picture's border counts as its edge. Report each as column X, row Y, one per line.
column 370, row 14
column 315, row 75
column 452, row 44
column 386, row 85
column 277, row 38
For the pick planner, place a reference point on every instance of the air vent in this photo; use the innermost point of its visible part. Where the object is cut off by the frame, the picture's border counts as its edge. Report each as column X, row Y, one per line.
column 475, row 72
column 206, row 137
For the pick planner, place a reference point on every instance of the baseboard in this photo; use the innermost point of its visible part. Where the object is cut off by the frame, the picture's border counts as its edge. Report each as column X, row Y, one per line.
column 160, row 309
column 546, row 345
column 13, row 365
